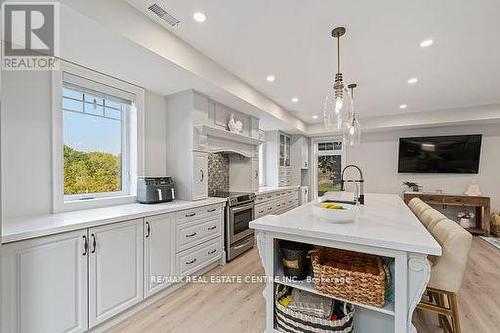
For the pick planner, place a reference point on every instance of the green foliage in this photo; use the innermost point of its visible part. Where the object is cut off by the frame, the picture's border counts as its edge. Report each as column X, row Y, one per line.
column 91, row 172
column 329, row 171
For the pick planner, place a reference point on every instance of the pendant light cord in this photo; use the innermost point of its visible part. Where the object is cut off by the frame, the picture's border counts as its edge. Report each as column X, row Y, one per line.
column 338, row 54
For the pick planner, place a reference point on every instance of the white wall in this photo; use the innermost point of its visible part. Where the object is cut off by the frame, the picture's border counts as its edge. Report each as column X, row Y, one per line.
column 155, row 135
column 27, row 139
column 378, row 158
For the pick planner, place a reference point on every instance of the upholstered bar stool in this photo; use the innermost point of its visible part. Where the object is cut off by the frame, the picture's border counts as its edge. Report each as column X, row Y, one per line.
column 447, row 273
column 417, row 206
column 431, row 217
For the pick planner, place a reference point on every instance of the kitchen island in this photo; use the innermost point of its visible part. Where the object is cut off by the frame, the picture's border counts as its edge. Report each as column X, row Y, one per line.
column 384, row 226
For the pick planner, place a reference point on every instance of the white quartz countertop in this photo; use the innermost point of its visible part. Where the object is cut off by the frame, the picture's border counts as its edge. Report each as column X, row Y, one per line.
column 384, row 221
column 270, row 189
column 17, row 229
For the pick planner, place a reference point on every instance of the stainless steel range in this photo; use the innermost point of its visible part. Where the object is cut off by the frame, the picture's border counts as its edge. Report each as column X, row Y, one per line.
column 240, row 211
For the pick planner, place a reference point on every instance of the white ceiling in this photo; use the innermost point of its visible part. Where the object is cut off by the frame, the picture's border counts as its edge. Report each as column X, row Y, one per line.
column 291, row 39
column 112, row 53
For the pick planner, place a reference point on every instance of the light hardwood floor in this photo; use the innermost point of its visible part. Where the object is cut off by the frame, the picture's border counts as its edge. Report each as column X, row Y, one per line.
column 240, row 307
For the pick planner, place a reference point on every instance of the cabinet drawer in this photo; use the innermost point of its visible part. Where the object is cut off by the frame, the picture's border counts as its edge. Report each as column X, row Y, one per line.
column 192, row 260
column 194, row 214
column 191, row 234
column 264, row 198
column 262, row 210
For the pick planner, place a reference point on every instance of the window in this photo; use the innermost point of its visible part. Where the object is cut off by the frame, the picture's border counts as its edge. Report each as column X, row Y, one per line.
column 329, row 159
column 97, row 140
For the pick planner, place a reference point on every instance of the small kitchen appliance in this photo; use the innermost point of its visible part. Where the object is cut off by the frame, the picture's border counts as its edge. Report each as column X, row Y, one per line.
column 152, row 190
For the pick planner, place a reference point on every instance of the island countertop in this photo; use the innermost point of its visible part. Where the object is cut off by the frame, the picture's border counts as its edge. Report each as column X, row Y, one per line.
column 384, row 221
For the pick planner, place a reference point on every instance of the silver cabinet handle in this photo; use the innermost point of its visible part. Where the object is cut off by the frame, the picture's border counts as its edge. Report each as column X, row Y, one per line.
column 212, row 228
column 212, row 252
column 192, row 235
column 191, row 262
column 202, row 176
column 148, row 228
column 94, row 243
column 85, row 245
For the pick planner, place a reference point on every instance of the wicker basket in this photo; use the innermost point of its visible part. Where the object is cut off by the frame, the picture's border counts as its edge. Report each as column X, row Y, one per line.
column 495, row 224
column 350, row 275
column 292, row 321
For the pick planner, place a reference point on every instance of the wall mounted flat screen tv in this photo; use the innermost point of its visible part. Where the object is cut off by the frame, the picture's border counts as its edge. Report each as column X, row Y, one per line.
column 440, row 154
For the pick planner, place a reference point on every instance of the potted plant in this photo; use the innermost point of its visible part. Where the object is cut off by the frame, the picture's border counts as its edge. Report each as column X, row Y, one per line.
column 411, row 185
column 465, row 218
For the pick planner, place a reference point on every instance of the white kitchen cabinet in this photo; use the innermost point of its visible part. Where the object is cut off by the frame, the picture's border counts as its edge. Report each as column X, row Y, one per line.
column 303, row 153
column 115, row 269
column 276, row 203
column 255, row 174
column 284, row 149
column 199, row 188
column 44, row 285
column 159, row 252
column 278, row 159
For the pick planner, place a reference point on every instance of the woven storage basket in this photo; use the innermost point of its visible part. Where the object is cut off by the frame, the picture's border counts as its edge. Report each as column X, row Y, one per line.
column 495, row 224
column 345, row 280
column 292, row 321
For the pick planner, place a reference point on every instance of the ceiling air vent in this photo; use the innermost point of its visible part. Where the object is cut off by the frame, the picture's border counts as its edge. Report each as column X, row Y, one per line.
column 164, row 15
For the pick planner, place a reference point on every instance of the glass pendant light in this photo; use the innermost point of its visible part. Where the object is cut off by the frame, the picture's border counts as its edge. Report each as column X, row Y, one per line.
column 352, row 130
column 338, row 103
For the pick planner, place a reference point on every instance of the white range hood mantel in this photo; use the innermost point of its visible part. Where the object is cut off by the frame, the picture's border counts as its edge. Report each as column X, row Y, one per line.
column 215, row 139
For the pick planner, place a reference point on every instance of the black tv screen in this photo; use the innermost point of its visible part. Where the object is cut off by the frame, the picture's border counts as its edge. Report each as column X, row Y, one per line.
column 440, row 154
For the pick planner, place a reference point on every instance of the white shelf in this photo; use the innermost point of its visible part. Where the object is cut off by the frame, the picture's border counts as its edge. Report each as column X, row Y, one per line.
column 221, row 133
column 309, row 287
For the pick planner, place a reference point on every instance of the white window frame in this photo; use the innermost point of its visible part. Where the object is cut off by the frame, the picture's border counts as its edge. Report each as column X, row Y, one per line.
column 132, row 137
column 316, row 154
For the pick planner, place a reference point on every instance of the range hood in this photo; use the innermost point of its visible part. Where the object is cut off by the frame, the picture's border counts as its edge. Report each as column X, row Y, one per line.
column 215, row 139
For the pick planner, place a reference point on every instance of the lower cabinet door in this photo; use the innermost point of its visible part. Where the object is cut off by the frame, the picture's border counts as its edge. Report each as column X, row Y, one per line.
column 115, row 269
column 159, row 252
column 44, row 285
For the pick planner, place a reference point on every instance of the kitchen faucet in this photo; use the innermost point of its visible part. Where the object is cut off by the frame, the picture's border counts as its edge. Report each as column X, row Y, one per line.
column 358, row 197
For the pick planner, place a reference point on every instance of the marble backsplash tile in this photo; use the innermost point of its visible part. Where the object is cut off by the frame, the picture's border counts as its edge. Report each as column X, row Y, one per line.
column 218, row 172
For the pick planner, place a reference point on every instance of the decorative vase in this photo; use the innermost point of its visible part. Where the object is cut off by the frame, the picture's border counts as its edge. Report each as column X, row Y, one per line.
column 466, row 223
column 235, row 126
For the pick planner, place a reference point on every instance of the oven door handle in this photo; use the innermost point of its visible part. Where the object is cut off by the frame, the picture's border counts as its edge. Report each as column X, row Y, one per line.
column 243, row 245
column 242, row 208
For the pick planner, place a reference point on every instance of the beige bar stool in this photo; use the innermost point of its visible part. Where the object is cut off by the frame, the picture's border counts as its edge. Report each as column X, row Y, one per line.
column 418, row 207
column 447, row 273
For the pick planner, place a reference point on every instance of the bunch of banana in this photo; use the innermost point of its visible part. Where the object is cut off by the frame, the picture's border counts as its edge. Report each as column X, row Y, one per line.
column 331, row 205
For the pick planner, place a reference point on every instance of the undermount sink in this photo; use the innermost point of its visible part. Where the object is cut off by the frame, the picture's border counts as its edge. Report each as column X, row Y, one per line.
column 347, row 213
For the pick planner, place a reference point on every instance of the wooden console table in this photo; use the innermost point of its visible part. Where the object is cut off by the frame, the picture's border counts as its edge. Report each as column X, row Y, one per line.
column 481, row 204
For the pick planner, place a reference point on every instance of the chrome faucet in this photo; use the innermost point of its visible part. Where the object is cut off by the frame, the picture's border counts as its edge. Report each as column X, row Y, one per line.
column 359, row 197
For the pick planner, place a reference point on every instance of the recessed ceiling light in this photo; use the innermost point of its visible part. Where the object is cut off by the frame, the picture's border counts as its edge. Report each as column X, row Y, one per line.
column 427, row 42
column 295, row 99
column 403, row 106
column 413, row 80
column 270, row 78
column 315, row 117
column 199, row 17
